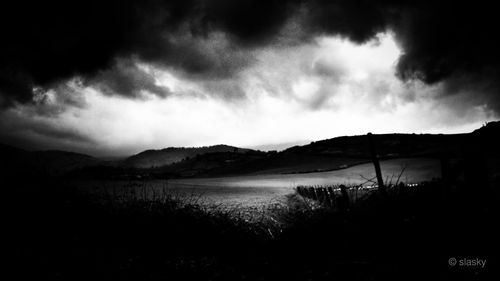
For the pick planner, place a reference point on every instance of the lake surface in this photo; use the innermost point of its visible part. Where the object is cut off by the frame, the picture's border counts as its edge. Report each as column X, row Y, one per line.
column 260, row 190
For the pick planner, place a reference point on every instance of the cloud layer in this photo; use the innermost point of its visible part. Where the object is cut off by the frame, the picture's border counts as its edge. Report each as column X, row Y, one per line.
column 60, row 59
column 45, row 42
column 332, row 87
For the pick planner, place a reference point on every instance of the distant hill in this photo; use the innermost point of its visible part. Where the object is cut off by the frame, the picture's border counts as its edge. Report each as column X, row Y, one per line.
column 55, row 160
column 171, row 155
column 16, row 161
column 341, row 152
column 387, row 145
column 325, row 155
column 223, row 160
column 489, row 133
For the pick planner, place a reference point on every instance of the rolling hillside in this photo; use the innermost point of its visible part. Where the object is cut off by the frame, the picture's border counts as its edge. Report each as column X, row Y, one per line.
column 171, row 155
column 224, row 160
column 16, row 161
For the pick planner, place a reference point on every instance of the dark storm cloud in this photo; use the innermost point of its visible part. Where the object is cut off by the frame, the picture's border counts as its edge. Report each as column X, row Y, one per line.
column 48, row 41
column 357, row 20
column 55, row 101
column 44, row 42
column 250, row 22
column 452, row 42
column 127, row 79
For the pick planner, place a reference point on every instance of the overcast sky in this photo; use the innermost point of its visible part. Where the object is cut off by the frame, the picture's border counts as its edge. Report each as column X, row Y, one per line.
column 107, row 79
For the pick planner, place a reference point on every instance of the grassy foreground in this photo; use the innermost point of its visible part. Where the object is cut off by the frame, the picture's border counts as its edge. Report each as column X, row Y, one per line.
column 57, row 233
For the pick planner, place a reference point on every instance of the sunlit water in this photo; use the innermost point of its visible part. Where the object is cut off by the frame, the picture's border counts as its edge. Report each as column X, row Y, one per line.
column 261, row 190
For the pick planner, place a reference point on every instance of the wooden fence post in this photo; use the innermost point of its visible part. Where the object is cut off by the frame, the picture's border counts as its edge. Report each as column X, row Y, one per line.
column 331, row 195
column 344, row 201
column 376, row 163
column 300, row 190
column 312, row 193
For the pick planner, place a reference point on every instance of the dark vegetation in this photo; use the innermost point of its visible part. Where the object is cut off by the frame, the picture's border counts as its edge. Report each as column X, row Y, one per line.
column 55, row 232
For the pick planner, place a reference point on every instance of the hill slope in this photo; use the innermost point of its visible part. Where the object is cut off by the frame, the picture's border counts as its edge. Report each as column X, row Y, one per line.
column 342, row 152
column 17, row 161
column 221, row 160
column 171, row 155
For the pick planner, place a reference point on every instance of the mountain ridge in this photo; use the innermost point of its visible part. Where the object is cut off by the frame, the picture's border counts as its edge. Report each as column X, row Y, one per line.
column 221, row 159
column 161, row 157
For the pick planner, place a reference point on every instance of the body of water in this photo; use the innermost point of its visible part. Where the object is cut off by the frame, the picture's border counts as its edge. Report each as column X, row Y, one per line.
column 258, row 190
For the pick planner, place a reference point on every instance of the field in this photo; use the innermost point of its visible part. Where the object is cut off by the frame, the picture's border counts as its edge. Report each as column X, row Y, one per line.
column 151, row 224
column 261, row 190
column 158, row 230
